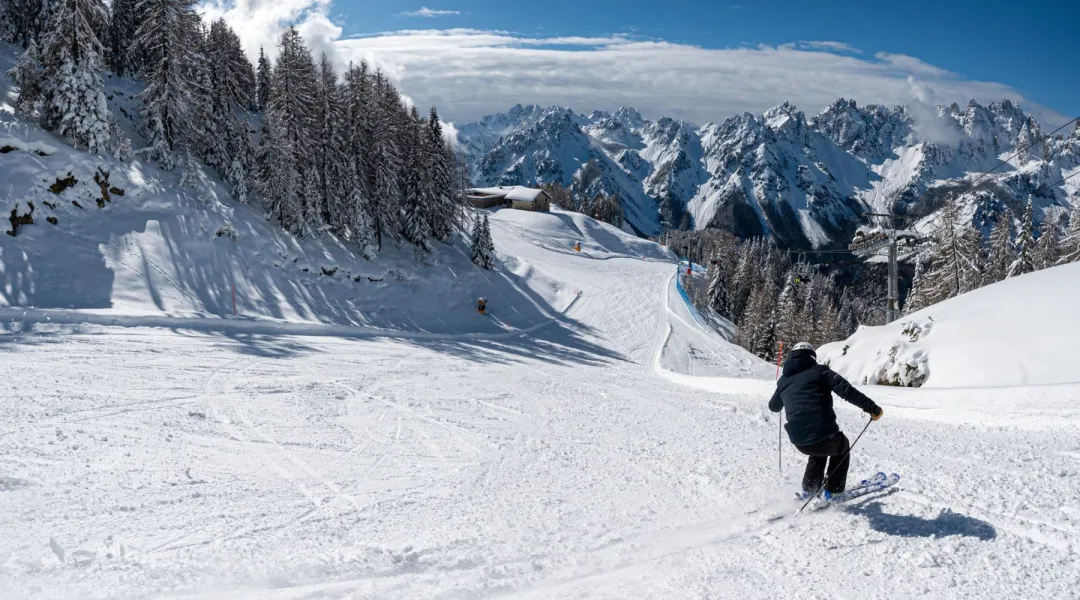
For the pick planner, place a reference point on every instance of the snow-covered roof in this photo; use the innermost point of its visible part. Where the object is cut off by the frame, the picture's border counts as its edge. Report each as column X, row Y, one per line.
column 516, row 193
column 492, row 191
column 524, row 194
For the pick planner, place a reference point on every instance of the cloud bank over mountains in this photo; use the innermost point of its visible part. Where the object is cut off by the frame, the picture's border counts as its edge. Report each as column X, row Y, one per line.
column 469, row 73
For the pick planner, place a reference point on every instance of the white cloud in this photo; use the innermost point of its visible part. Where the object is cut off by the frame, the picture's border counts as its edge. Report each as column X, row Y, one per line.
column 912, row 65
column 469, row 73
column 259, row 23
column 429, row 13
column 928, row 120
column 450, row 133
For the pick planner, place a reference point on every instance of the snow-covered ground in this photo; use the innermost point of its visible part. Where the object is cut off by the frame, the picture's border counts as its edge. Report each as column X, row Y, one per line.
column 583, row 458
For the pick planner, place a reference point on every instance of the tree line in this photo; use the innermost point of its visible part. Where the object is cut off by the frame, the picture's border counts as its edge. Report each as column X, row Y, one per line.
column 321, row 151
column 960, row 260
column 602, row 207
column 770, row 297
column 757, row 286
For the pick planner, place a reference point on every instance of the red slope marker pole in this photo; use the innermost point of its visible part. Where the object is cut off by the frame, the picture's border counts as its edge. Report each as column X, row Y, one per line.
column 780, row 419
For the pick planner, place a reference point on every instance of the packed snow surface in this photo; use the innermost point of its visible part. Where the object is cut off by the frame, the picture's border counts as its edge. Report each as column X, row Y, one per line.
column 586, row 458
column 1020, row 332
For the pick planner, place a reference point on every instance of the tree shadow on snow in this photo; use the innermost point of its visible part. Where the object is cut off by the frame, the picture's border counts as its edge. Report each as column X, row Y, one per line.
column 262, row 346
column 947, row 523
column 151, row 243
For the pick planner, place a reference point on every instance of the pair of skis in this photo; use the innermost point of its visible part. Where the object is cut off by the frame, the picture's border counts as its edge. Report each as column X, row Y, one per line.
column 876, row 483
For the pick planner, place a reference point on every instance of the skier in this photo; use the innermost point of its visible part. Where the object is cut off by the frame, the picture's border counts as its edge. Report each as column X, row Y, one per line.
column 481, row 306
column 805, row 393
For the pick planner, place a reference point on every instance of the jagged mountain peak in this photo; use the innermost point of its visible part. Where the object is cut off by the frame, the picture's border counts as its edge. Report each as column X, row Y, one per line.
column 518, row 111
column 804, row 180
column 629, row 116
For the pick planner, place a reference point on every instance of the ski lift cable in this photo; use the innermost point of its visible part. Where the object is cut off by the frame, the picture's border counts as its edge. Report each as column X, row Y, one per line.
column 1017, row 153
column 1064, row 179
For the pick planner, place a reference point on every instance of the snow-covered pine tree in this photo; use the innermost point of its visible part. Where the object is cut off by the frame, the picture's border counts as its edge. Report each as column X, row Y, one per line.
column 233, row 83
column 238, row 179
column 7, row 26
column 232, row 75
column 356, row 91
column 189, row 174
column 26, row 75
column 263, row 78
column 362, row 233
column 445, row 211
column 279, row 174
column 717, row 295
column 312, row 202
column 757, row 330
column 24, row 20
column 264, row 155
column 331, row 153
column 121, row 142
column 291, row 115
column 73, row 92
column 1070, row 244
column 745, row 275
column 1001, row 253
column 1023, row 143
column 416, row 207
column 206, row 135
column 788, row 315
column 847, row 318
column 242, row 151
column 1048, row 246
column 916, row 298
column 829, row 329
column 166, row 40
column 474, row 239
column 488, row 243
column 384, row 160
column 122, row 28
column 1025, row 244
column 483, row 249
column 956, row 259
column 809, row 328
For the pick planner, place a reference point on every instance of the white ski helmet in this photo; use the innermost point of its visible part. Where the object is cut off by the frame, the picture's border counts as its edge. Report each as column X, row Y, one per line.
column 804, row 346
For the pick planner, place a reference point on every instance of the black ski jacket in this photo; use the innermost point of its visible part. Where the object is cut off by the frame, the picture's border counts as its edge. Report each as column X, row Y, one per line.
column 805, row 393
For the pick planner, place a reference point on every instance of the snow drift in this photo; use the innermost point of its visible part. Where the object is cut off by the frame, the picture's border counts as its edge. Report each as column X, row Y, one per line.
column 1021, row 331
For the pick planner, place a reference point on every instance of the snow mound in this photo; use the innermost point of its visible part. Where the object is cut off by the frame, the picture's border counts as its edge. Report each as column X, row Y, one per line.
column 11, row 144
column 1019, row 332
column 560, row 230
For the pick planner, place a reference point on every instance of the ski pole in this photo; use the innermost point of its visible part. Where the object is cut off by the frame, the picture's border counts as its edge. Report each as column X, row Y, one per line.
column 838, row 463
column 779, row 420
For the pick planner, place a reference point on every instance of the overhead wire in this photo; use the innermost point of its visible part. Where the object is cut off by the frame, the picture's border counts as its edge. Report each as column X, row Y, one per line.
column 1018, row 152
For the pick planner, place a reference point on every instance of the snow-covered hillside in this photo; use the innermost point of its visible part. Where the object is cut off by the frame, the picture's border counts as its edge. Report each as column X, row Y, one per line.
column 804, row 180
column 1019, row 332
column 620, row 450
column 148, row 246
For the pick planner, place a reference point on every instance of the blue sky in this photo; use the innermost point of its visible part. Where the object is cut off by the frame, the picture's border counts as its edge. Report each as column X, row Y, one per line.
column 682, row 57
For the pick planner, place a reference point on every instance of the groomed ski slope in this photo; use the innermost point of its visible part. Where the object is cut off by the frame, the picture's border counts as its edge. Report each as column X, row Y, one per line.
column 620, row 451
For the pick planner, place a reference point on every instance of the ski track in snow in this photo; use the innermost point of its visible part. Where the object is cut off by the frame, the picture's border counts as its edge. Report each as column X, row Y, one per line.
column 185, row 463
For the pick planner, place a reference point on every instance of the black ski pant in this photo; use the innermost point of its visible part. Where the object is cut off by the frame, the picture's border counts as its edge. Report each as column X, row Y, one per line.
column 832, row 450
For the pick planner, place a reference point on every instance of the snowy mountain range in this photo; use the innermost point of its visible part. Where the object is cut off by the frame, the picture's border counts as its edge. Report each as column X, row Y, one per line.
column 806, row 181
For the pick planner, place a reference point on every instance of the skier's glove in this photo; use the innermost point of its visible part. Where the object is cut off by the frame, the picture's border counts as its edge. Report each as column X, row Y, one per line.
column 880, row 411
